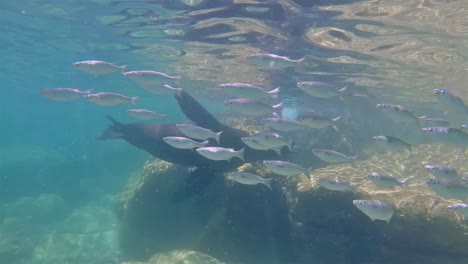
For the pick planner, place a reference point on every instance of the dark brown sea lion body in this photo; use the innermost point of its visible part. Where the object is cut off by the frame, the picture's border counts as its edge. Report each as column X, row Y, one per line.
column 149, row 138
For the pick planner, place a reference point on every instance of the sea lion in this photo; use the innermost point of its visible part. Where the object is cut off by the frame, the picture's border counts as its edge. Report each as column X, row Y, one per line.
column 149, row 138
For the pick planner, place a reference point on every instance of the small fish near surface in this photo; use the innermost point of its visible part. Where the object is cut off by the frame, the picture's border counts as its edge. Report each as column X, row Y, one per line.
column 249, row 178
column 448, row 189
column 321, row 89
column 317, row 121
column 390, row 143
column 449, row 136
column 144, row 114
column 184, row 143
column 254, row 144
column 434, row 121
column 443, row 172
column 96, row 67
column 149, row 77
column 335, row 184
column 284, row 168
column 332, row 156
column 110, row 99
column 273, row 140
column 387, row 181
column 400, row 114
column 245, row 90
column 284, row 125
column 197, row 132
column 65, row 94
column 273, row 61
column 451, row 101
column 251, row 107
column 375, row 210
column 219, row 153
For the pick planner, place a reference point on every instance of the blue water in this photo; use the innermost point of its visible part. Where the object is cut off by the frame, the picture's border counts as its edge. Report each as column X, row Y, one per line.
column 59, row 185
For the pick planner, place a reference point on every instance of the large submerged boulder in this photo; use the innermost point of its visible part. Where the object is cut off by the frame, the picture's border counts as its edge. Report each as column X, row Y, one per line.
column 297, row 221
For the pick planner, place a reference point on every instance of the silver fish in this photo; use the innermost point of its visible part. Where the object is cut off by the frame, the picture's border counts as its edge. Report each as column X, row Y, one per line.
column 284, row 168
column 249, row 178
column 284, row 125
column 64, row 94
column 392, row 143
column 273, row 140
column 197, row 132
column 144, row 114
column 435, row 121
column 251, row 107
column 318, row 121
column 184, row 143
column 219, row 153
column 96, row 67
column 321, row 90
column 375, row 210
column 443, row 172
column 399, row 113
column 273, row 61
column 332, row 156
column 387, row 181
column 451, row 100
column 448, row 189
column 149, row 75
column 245, row 90
column 252, row 143
column 110, row 99
column 335, row 185
column 447, row 135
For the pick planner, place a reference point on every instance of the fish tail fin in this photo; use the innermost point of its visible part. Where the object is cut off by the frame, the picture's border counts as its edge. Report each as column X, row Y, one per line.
column 352, row 161
column 176, row 90
column 89, row 91
column 421, row 121
column 291, row 144
column 123, row 68
column 404, row 183
column 267, row 183
column 205, row 143
column 274, row 92
column 240, row 154
column 277, row 151
column 134, row 100
column 278, row 108
column 113, row 131
column 344, row 90
column 336, row 119
column 218, row 137
column 301, row 60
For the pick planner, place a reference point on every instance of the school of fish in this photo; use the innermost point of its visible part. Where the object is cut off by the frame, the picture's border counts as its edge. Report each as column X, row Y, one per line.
column 256, row 102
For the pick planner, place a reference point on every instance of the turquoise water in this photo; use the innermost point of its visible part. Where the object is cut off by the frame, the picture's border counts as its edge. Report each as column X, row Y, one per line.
column 60, row 187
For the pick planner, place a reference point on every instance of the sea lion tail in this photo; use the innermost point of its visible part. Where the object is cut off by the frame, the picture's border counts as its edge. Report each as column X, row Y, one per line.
column 113, row 131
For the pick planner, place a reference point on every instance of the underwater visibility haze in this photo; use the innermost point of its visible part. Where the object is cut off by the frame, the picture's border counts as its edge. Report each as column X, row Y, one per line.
column 234, row 131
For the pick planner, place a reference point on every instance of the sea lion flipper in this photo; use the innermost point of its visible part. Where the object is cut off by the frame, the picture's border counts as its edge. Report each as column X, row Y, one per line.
column 194, row 111
column 113, row 131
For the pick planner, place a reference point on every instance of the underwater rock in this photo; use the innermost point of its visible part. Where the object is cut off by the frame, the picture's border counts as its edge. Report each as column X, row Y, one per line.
column 88, row 235
column 43, row 209
column 24, row 223
column 296, row 222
